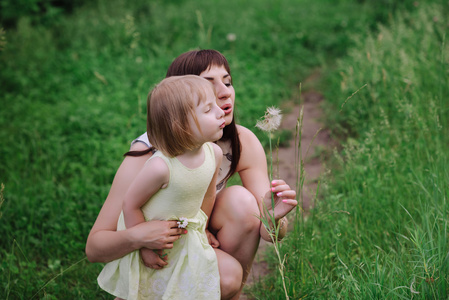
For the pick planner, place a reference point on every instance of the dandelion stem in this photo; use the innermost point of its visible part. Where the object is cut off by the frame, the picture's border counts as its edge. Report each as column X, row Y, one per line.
column 269, row 123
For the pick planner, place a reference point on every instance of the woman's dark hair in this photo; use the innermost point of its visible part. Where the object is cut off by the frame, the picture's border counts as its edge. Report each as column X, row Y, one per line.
column 194, row 63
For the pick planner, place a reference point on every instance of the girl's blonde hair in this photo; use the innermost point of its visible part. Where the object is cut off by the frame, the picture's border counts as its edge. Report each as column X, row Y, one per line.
column 169, row 106
column 195, row 62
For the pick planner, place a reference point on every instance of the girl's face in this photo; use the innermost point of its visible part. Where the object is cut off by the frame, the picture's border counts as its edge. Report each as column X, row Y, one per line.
column 210, row 119
column 222, row 82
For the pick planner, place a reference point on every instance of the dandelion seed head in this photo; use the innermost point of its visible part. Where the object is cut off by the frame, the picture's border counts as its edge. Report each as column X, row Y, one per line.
column 271, row 120
column 231, row 37
column 273, row 111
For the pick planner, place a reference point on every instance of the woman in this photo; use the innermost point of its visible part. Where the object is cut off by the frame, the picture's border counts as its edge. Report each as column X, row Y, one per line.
column 234, row 220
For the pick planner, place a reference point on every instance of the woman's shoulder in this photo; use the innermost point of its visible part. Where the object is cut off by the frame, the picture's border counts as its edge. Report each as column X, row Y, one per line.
column 141, row 142
column 252, row 151
column 247, row 137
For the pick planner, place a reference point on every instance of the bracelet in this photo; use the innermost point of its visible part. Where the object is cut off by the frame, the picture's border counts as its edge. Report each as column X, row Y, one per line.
column 282, row 221
column 281, row 224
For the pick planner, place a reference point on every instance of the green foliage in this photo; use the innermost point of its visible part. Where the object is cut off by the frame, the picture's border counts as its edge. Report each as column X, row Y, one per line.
column 73, row 96
column 381, row 229
column 39, row 11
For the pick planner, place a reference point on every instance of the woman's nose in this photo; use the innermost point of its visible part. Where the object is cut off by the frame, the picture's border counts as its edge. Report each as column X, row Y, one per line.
column 223, row 92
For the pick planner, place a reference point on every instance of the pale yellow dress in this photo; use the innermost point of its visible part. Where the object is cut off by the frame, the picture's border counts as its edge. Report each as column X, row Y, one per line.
column 192, row 270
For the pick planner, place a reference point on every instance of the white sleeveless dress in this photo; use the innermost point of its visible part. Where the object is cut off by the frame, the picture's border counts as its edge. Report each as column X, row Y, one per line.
column 192, row 270
column 225, row 163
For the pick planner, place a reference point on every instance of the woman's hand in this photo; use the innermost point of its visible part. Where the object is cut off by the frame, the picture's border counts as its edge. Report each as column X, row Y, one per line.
column 284, row 198
column 212, row 239
column 284, row 202
column 156, row 235
column 153, row 259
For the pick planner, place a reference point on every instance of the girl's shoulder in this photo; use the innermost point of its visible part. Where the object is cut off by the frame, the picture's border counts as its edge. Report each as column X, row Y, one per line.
column 158, row 159
column 215, row 150
column 157, row 167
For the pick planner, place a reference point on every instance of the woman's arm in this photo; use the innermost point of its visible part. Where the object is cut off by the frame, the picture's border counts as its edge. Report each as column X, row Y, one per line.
column 104, row 242
column 253, row 172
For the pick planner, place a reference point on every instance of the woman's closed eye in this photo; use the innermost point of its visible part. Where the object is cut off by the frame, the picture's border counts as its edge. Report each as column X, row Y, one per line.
column 227, row 81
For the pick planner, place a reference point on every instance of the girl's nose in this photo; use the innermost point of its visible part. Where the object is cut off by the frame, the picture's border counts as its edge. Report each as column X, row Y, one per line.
column 220, row 112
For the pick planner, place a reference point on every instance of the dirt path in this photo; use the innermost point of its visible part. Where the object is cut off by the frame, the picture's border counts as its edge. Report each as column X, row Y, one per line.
column 313, row 166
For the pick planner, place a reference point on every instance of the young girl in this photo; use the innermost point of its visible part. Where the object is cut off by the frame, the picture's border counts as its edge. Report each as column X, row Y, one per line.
column 183, row 120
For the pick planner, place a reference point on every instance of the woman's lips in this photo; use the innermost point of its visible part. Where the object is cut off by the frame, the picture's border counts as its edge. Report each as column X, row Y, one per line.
column 227, row 108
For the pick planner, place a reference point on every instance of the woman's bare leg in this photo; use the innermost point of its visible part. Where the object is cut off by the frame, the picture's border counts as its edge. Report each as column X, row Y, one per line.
column 230, row 274
column 236, row 224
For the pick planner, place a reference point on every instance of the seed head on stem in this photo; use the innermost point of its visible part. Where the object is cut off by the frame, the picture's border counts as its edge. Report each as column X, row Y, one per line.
column 271, row 120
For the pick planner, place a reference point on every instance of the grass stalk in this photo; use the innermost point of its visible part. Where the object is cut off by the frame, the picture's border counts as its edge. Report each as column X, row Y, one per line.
column 58, row 275
column 270, row 123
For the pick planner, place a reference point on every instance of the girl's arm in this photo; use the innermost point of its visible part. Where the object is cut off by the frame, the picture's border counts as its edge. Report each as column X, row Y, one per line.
column 153, row 176
column 105, row 243
column 209, row 197
column 253, row 172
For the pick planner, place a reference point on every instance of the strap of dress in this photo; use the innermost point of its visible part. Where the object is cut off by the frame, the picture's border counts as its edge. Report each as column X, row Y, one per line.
column 209, row 150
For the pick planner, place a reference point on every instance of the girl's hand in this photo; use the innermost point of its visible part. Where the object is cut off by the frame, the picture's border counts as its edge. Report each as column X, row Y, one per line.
column 153, row 259
column 284, row 198
column 212, row 239
column 156, row 235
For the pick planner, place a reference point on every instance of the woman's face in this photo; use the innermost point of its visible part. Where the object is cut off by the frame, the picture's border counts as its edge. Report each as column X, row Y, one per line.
column 222, row 82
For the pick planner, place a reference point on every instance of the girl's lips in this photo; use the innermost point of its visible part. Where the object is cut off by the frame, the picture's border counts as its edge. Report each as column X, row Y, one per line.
column 223, row 125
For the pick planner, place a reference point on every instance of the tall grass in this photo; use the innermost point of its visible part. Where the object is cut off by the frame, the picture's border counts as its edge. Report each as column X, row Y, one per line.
column 380, row 230
column 73, row 97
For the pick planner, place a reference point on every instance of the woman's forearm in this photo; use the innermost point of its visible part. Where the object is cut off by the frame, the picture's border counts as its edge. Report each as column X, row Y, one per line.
column 266, row 233
column 106, row 245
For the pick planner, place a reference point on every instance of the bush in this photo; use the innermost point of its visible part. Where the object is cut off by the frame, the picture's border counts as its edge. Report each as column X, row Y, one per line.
column 38, row 11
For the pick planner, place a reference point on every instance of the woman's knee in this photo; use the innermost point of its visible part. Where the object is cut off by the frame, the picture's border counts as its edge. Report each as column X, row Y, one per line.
column 231, row 274
column 230, row 285
column 238, row 206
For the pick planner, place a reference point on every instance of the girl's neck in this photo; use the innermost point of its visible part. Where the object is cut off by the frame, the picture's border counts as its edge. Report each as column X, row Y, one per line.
column 192, row 158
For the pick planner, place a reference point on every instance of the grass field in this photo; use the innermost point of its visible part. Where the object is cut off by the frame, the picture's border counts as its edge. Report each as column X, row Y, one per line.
column 380, row 227
column 73, row 96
